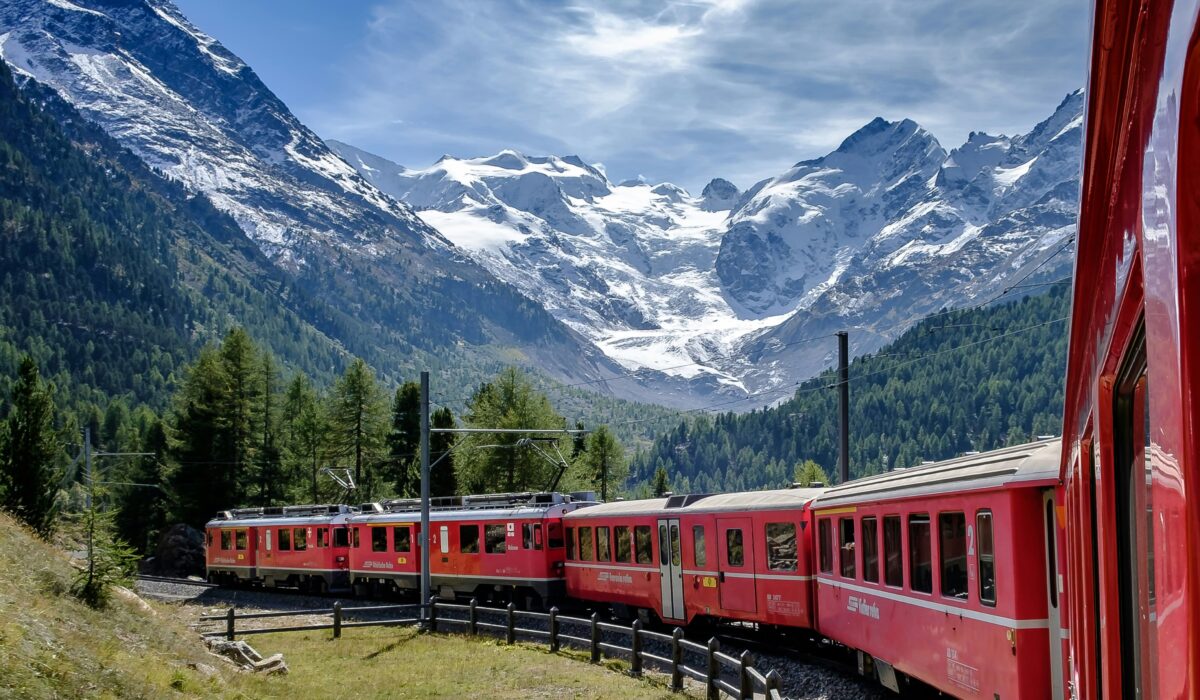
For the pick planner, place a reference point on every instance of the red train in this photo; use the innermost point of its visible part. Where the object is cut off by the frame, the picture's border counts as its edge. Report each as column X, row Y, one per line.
column 1131, row 420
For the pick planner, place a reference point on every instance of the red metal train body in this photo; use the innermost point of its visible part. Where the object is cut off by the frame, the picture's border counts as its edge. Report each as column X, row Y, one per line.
column 1131, row 429
column 298, row 546
column 737, row 556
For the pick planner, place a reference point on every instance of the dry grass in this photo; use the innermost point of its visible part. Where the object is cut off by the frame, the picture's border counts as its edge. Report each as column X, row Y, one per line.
column 51, row 646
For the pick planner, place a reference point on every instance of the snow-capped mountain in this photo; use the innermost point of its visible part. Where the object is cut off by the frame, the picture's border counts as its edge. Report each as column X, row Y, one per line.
column 196, row 112
column 723, row 290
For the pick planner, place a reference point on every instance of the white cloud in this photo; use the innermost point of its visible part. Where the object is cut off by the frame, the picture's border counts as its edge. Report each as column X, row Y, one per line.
column 685, row 90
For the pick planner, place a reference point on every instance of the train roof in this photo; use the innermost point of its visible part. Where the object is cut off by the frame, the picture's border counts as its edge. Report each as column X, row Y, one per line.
column 778, row 499
column 1028, row 464
column 281, row 515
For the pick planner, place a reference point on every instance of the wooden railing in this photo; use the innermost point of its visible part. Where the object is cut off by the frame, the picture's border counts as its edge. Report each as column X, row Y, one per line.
column 583, row 633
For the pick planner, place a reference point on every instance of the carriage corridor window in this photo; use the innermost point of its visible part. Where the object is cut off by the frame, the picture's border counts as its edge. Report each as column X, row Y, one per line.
column 586, row 551
column 735, row 554
column 846, row 551
column 870, row 549
column 643, row 544
column 239, row 540
column 300, row 540
column 401, row 539
column 285, row 539
column 987, row 557
column 952, row 549
column 781, row 546
column 603, row 549
column 893, row 568
column 571, row 543
column 699, row 547
column 378, row 539
column 226, row 539
column 920, row 562
column 826, row 537
column 624, row 545
column 495, row 539
column 468, row 539
column 322, row 538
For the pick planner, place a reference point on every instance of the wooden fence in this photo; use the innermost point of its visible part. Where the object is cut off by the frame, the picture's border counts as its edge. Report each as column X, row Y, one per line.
column 750, row 681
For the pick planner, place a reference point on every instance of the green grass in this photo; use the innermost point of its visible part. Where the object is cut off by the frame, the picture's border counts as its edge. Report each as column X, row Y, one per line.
column 52, row 646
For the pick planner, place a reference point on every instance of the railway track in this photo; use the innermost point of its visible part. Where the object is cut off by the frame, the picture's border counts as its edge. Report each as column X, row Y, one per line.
column 176, row 581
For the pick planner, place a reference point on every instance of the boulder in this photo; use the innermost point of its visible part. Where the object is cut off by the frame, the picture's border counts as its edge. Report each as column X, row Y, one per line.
column 180, row 552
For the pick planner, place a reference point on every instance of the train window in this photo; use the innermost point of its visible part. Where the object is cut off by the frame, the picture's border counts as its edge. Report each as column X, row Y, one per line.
column 401, row 539
column 642, row 542
column 846, row 550
column 675, row 556
column 987, row 557
column 208, row 538
column 495, row 539
column 239, row 540
column 920, row 560
column 603, row 548
column 586, row 551
column 735, row 552
column 623, row 545
column 285, row 539
column 870, row 549
column 826, row 554
column 468, row 539
column 379, row 539
column 699, row 546
column 664, row 547
column 226, row 539
column 893, row 569
column 571, row 543
column 554, row 535
column 356, row 543
column 341, row 537
column 300, row 540
column 322, row 538
column 781, row 546
column 952, row 550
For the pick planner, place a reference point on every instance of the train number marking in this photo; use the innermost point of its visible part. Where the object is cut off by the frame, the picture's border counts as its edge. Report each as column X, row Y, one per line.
column 960, row 673
column 614, row 578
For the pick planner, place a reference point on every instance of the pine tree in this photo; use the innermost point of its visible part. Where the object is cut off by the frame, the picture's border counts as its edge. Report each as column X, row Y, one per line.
column 142, row 506
column 206, row 477
column 306, row 429
column 404, row 441
column 243, row 410
column 603, row 461
column 359, row 422
column 661, row 485
column 809, row 472
column 28, row 461
column 441, row 479
column 272, row 486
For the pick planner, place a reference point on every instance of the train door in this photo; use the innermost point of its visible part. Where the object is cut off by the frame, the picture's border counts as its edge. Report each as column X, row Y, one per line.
column 735, row 564
column 1053, row 595
column 670, row 568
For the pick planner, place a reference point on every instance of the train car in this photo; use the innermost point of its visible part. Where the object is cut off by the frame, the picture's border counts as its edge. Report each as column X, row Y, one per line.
column 1133, row 368
column 230, row 547
column 496, row 547
column 304, row 547
column 737, row 556
column 948, row 573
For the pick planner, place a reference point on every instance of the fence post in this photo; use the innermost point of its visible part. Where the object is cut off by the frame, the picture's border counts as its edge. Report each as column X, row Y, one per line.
column 676, row 660
column 774, row 685
column 554, row 629
column 595, row 638
column 473, row 618
column 229, row 623
column 714, row 669
column 432, row 613
column 510, row 624
column 744, row 682
column 635, row 648
column 337, row 619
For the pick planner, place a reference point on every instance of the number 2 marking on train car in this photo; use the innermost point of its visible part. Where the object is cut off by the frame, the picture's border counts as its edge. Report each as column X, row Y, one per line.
column 970, row 540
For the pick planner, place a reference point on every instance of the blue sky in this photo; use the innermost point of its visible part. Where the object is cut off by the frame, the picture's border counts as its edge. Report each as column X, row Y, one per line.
column 675, row 90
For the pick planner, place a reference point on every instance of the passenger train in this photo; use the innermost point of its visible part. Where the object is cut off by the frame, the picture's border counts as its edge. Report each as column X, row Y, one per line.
column 1065, row 568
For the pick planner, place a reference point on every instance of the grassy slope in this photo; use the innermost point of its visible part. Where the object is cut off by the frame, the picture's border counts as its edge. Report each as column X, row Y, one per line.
column 53, row 647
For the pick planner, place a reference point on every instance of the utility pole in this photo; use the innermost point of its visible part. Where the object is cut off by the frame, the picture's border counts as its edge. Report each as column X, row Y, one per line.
column 424, row 539
column 844, row 405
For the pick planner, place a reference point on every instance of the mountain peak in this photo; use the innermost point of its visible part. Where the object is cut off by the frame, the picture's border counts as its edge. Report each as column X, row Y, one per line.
column 719, row 195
